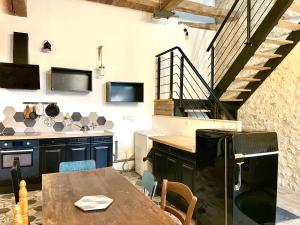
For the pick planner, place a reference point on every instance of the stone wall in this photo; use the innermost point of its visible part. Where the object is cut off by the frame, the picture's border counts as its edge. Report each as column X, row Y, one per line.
column 275, row 106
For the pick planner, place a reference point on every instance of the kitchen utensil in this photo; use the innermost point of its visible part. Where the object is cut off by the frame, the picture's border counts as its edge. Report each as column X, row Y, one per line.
column 49, row 121
column 52, row 110
column 33, row 114
column 39, row 109
column 27, row 112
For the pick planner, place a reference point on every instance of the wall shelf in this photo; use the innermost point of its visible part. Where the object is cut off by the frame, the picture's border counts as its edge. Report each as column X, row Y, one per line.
column 73, row 80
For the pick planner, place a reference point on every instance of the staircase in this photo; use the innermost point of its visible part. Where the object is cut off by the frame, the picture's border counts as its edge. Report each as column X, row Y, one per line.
column 241, row 63
column 182, row 91
column 244, row 52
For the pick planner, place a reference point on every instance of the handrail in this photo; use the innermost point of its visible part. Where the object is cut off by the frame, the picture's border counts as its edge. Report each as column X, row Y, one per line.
column 222, row 25
column 212, row 94
column 170, row 50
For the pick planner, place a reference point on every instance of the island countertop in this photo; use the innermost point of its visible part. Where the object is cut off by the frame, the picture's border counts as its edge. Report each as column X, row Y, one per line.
column 30, row 136
column 185, row 143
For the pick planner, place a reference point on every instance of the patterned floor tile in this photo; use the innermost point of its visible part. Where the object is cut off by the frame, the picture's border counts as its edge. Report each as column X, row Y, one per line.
column 285, row 216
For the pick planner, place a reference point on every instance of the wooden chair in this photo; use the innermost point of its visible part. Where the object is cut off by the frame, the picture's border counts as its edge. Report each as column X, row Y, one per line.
column 77, row 166
column 20, row 210
column 17, row 217
column 149, row 184
column 183, row 191
column 16, row 177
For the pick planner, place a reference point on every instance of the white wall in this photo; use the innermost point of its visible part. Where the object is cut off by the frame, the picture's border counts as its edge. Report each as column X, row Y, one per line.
column 75, row 28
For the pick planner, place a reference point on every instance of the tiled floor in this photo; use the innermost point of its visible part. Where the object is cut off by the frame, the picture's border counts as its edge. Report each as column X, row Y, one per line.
column 288, row 212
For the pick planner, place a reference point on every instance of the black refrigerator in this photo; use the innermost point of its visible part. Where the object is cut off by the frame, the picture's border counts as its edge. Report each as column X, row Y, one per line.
column 236, row 177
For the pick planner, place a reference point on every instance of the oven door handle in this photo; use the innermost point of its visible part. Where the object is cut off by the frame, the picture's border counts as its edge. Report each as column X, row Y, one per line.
column 17, row 151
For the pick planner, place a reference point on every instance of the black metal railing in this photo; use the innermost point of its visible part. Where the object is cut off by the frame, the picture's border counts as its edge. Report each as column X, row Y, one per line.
column 177, row 78
column 234, row 33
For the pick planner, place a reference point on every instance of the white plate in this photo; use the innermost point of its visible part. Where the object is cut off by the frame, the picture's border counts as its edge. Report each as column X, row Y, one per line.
column 89, row 203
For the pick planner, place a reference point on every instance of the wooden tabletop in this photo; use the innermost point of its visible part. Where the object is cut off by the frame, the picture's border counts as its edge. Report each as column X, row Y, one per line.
column 185, row 143
column 130, row 206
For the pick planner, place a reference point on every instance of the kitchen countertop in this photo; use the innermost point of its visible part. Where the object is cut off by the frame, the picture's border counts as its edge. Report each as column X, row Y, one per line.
column 185, row 143
column 28, row 136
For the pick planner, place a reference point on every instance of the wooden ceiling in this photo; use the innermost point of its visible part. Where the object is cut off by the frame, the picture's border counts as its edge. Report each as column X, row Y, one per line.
column 170, row 5
column 185, row 6
column 19, row 8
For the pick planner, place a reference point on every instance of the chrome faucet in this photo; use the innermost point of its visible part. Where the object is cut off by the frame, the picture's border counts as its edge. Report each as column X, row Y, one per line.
column 82, row 128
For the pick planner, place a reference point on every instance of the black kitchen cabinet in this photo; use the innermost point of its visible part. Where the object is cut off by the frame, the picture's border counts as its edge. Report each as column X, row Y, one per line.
column 78, row 152
column 78, row 149
column 55, row 151
column 101, row 151
column 159, row 166
column 51, row 157
column 173, row 164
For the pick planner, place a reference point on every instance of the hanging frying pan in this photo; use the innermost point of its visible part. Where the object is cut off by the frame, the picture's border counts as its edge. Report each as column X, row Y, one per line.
column 52, row 110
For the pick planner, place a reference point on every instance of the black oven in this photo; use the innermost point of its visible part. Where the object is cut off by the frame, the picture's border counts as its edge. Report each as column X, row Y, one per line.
column 27, row 151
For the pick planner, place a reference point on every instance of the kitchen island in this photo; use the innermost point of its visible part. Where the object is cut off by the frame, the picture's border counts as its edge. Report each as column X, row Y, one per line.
column 174, row 158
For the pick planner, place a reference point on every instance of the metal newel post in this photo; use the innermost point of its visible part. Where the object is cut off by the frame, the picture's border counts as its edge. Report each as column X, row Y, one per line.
column 171, row 74
column 248, row 22
column 181, row 80
column 158, row 77
column 212, row 67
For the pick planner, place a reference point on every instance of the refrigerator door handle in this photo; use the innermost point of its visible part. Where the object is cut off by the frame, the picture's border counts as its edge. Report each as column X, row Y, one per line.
column 237, row 186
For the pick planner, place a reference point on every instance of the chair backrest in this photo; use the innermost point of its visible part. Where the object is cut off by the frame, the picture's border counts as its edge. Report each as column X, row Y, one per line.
column 149, row 184
column 185, row 192
column 17, row 216
column 77, row 166
column 16, row 177
column 23, row 202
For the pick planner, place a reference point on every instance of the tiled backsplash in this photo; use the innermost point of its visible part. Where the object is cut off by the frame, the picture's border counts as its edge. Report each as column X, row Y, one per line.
column 14, row 122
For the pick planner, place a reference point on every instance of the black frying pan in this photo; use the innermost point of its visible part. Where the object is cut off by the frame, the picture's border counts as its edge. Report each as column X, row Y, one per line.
column 52, row 110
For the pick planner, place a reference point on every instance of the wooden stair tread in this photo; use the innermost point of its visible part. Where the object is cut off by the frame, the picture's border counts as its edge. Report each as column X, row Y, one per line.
column 267, row 55
column 231, row 100
column 248, row 79
column 276, row 41
column 254, row 67
column 238, row 90
column 295, row 7
column 288, row 25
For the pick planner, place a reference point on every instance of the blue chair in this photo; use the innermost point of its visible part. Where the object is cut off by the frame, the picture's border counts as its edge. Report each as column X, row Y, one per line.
column 149, row 184
column 77, row 166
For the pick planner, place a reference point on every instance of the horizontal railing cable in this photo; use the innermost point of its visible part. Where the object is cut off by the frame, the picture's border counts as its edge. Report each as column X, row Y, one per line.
column 189, row 87
column 234, row 55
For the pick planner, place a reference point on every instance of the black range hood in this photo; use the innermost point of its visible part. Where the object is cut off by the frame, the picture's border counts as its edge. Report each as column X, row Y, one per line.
column 19, row 74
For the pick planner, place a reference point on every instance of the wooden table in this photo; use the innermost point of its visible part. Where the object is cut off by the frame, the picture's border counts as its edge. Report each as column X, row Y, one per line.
column 130, row 206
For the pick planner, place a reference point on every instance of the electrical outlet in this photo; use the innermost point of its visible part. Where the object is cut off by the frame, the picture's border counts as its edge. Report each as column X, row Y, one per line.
column 129, row 118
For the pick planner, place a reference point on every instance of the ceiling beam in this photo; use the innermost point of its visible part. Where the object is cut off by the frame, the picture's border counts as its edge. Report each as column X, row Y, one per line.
column 203, row 26
column 14, row 7
column 152, row 5
column 201, row 9
column 170, row 5
column 142, row 5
